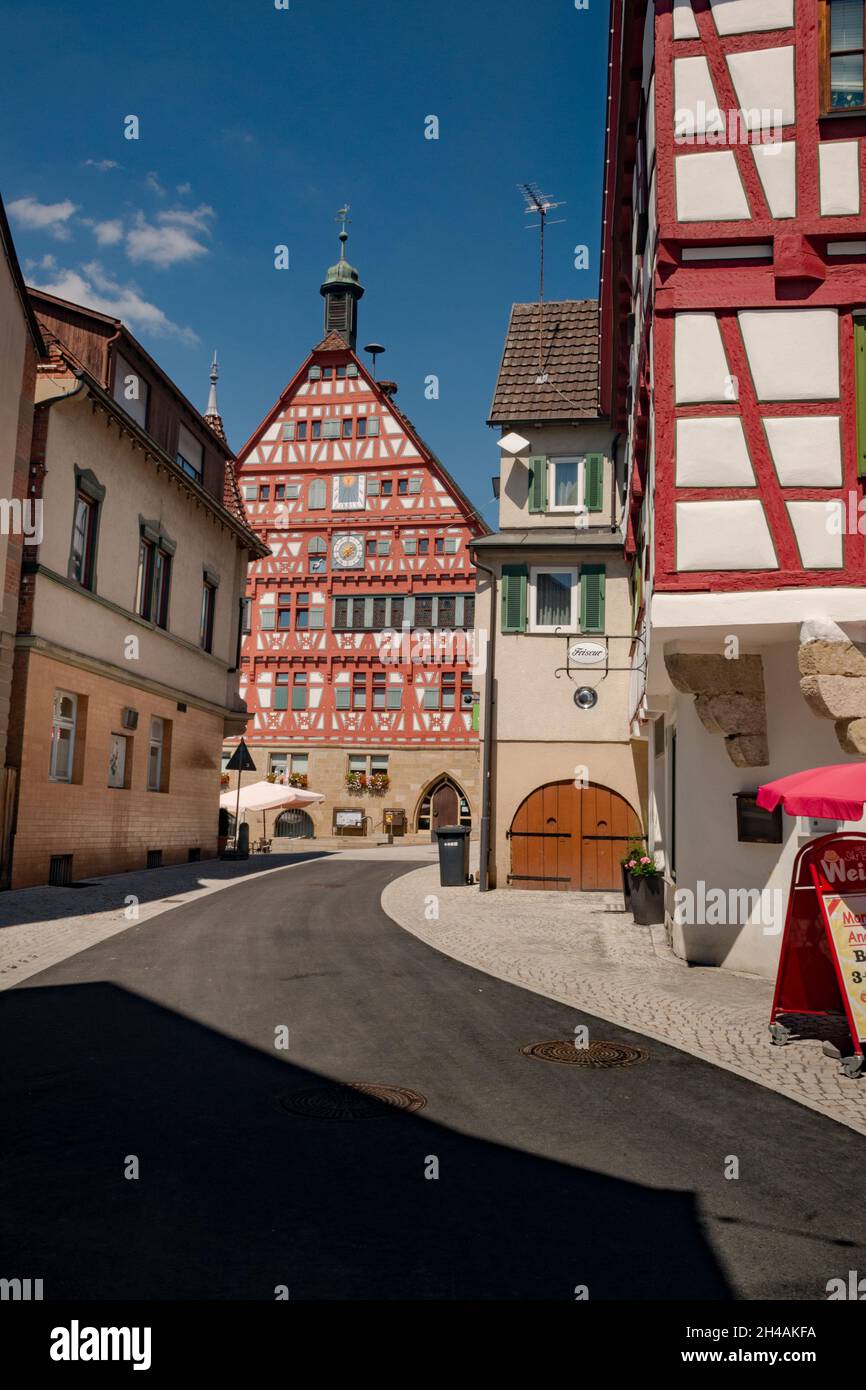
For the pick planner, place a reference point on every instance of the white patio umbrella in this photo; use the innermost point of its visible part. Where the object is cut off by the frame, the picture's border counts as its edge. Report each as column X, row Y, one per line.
column 267, row 796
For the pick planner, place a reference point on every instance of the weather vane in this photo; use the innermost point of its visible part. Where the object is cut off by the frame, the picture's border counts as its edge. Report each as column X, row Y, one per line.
column 343, row 216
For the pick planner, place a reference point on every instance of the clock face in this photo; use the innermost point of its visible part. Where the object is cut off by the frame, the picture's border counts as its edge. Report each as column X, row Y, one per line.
column 348, row 552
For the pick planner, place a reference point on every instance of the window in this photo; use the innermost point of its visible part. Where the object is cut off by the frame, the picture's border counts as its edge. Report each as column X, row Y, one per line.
column 302, row 611
column 449, row 690
column 371, row 547
column 267, row 617
column 358, row 763
column 342, row 613
column 63, row 726
column 352, row 369
column 379, row 689
column 347, row 428
column 246, row 614
column 359, row 690
column 414, row 485
column 331, row 429
column 341, row 373
column 280, row 492
column 264, row 493
column 278, row 766
column 327, row 373
column 81, row 560
column 300, row 764
column 317, row 495
column 342, row 697
column 553, row 599
column 387, row 487
column 289, row 429
column 410, row 545
column 299, row 690
column 301, row 431
column 395, row 696
column 317, row 555
column 281, row 690
column 190, row 453
column 402, row 486
column 361, row 431
column 424, row 610
column 251, row 493
column 314, row 374
column 446, row 611
column 130, row 390
column 372, row 425
column 423, row 545
column 566, row 479
column 154, row 577
column 452, row 545
column 293, row 491
column 284, row 612
column 208, row 609
column 843, row 56
column 316, row 431
column 383, row 547
column 431, row 697
column 440, row 545
column 117, row 760
column 156, row 751
column 368, row 764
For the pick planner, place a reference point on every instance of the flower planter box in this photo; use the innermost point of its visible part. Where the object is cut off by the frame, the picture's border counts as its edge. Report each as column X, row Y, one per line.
column 648, row 899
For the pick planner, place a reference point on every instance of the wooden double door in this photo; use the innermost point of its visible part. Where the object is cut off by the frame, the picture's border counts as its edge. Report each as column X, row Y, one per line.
column 569, row 838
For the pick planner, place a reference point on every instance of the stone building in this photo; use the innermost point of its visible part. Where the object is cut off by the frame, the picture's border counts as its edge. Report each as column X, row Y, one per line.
column 358, row 662
column 126, row 678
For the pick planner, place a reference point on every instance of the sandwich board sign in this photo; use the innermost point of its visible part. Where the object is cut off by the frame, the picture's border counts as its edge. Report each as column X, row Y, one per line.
column 822, row 965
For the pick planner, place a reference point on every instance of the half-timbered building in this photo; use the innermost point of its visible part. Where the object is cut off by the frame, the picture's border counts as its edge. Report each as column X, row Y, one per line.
column 359, row 664
column 734, row 359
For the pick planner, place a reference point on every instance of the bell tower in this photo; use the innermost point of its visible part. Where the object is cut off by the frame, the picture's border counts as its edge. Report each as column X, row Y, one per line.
column 341, row 291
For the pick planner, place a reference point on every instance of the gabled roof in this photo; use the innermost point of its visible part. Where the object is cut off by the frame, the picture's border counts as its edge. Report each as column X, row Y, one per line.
column 18, row 281
column 549, row 368
column 332, row 343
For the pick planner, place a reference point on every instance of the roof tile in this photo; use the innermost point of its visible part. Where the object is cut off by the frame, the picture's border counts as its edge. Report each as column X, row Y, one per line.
column 549, row 368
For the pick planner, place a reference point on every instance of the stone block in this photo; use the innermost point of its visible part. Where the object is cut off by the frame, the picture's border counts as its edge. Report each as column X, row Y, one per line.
column 822, row 658
column 835, row 697
column 748, row 750
column 851, row 734
column 732, row 714
column 709, row 673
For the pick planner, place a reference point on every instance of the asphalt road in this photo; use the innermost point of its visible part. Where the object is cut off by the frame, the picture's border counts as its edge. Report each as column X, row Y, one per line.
column 159, row 1045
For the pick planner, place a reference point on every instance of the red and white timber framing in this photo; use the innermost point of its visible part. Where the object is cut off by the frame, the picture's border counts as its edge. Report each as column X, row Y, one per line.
column 732, row 273
column 353, row 506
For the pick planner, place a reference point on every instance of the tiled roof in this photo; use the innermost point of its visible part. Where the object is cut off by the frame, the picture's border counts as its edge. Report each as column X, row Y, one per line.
column 332, row 342
column 549, row 367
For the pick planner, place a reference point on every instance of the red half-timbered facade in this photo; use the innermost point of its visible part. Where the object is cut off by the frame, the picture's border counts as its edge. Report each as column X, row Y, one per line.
column 358, row 661
column 734, row 356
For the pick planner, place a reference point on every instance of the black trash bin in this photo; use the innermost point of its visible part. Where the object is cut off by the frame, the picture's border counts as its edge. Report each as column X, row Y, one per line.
column 453, row 855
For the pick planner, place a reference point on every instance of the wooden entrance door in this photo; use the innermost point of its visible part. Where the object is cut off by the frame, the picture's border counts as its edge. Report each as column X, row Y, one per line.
column 445, row 809
column 565, row 837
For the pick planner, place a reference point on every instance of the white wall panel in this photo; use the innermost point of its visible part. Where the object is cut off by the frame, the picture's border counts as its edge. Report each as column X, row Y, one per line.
column 751, row 16
column 777, row 169
column 709, row 188
column 724, row 536
column 764, row 81
column 839, row 177
column 712, row 452
column 806, row 449
column 793, row 353
column 701, row 370
column 818, row 529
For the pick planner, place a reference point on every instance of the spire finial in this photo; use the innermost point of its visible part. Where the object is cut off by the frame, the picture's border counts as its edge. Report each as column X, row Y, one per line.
column 343, row 218
column 212, row 407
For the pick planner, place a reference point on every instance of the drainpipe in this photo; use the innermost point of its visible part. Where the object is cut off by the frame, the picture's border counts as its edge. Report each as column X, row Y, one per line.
column 487, row 742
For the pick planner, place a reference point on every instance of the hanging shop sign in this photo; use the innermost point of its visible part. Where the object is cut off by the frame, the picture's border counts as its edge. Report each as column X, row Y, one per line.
column 587, row 654
column 822, row 966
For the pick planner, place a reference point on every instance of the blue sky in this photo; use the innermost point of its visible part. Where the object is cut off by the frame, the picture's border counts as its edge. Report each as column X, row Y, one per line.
column 256, row 124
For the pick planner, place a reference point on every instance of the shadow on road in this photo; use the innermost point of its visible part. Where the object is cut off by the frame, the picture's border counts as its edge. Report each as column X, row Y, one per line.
column 46, row 904
column 236, row 1197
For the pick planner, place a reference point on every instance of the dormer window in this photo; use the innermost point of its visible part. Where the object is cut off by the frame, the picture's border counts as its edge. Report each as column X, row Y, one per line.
column 189, row 453
column 572, row 484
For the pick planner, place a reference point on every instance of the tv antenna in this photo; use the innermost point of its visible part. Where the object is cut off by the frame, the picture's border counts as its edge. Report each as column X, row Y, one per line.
column 538, row 203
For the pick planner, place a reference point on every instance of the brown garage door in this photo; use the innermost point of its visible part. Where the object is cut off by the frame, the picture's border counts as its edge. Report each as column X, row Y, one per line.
column 571, row 838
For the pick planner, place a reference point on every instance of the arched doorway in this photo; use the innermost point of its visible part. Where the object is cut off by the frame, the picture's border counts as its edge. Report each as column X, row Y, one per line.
column 566, row 837
column 443, row 803
column 294, row 825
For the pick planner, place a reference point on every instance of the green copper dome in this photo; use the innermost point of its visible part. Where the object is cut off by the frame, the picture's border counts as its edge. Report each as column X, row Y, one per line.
column 342, row 273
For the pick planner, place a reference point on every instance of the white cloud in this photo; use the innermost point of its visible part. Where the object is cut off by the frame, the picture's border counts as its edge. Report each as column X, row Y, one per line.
column 172, row 241
column 108, row 233
column 154, row 184
column 91, row 286
column 103, row 165
column 34, row 216
column 184, row 188
column 46, row 262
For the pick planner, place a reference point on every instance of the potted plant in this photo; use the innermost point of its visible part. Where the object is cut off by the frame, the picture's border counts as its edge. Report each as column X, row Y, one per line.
column 225, row 780
column 355, row 781
column 298, row 779
column 630, row 857
column 647, row 891
column 379, row 782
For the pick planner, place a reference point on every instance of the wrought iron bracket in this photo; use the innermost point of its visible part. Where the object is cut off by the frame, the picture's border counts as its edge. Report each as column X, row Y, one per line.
column 570, row 667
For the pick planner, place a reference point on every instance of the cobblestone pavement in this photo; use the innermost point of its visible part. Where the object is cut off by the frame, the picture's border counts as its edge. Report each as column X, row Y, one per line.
column 40, row 927
column 585, row 951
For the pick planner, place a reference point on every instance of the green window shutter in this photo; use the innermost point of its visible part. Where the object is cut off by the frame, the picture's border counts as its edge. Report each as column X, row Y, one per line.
column 592, row 598
column 860, row 389
column 514, row 598
column 537, row 483
column 594, row 490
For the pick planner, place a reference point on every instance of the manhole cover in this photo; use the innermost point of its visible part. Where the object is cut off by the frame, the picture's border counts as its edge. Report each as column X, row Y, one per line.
column 597, row 1054
column 357, row 1100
